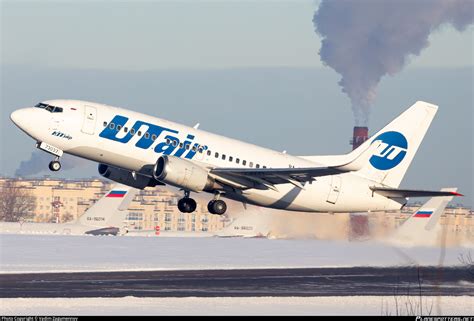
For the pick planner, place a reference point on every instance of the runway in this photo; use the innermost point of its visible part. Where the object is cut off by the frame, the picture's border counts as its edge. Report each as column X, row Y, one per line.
column 452, row 281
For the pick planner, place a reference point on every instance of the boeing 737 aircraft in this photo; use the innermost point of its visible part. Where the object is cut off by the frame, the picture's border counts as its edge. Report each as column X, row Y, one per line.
column 139, row 151
column 105, row 217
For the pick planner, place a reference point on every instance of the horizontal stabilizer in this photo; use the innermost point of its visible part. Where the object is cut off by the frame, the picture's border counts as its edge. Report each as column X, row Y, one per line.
column 400, row 193
column 422, row 227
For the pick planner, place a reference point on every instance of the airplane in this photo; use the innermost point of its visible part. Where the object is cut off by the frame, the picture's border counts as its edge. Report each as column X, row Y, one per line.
column 144, row 151
column 422, row 227
column 105, row 217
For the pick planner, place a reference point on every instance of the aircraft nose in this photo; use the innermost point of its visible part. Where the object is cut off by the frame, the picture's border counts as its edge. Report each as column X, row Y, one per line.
column 20, row 117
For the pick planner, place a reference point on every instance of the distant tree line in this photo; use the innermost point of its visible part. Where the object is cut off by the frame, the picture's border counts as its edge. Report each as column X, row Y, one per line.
column 16, row 201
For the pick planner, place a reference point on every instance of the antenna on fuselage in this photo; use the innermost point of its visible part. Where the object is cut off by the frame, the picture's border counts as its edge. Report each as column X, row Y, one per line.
column 196, row 126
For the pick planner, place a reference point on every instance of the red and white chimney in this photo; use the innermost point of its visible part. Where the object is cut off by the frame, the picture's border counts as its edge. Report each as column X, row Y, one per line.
column 361, row 134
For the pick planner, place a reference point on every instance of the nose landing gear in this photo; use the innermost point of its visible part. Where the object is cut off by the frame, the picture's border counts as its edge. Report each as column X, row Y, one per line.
column 55, row 165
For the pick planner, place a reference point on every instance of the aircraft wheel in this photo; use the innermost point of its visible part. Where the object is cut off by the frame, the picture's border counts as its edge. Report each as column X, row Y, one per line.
column 217, row 207
column 54, row 166
column 187, row 205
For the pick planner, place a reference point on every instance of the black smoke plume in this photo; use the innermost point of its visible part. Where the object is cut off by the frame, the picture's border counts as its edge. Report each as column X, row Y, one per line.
column 364, row 40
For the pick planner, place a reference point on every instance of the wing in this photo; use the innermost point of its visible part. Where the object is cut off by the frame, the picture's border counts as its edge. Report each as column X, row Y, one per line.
column 402, row 193
column 267, row 178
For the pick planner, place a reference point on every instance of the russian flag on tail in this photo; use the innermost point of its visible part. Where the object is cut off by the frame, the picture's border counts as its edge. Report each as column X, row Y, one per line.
column 423, row 213
column 116, row 193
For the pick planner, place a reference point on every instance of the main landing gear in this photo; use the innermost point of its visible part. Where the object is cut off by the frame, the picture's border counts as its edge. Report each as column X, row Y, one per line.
column 188, row 205
column 217, row 207
column 55, row 165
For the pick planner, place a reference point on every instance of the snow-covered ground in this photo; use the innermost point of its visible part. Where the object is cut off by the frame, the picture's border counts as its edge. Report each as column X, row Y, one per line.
column 46, row 253
column 356, row 305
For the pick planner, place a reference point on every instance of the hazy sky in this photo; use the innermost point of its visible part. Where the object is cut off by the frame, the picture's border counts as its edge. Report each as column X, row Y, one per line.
column 181, row 34
column 245, row 69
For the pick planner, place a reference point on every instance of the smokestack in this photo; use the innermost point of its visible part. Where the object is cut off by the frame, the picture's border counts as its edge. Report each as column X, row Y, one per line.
column 359, row 226
column 359, row 222
column 361, row 134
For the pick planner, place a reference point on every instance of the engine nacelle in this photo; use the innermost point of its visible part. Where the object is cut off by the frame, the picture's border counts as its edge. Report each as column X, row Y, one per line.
column 125, row 177
column 182, row 173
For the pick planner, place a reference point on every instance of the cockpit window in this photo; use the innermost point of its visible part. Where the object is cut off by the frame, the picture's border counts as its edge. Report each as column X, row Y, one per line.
column 50, row 108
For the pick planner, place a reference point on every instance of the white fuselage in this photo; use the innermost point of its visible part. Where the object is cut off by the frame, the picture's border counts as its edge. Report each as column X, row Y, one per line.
column 83, row 129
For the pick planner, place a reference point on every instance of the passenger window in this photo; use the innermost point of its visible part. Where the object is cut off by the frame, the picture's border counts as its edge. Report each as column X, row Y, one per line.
column 112, row 126
column 237, row 160
column 257, row 166
column 251, row 164
column 181, row 145
column 153, row 137
column 187, row 146
column 194, row 148
column 201, row 150
column 223, row 156
column 132, row 131
column 147, row 135
column 125, row 129
column 105, row 124
column 139, row 133
column 168, row 141
column 264, row 166
column 217, row 155
column 209, row 153
column 175, row 143
column 244, row 162
column 119, row 127
column 230, row 158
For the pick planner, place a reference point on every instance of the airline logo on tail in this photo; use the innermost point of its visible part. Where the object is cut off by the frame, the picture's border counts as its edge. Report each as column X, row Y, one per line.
column 116, row 193
column 423, row 213
column 391, row 152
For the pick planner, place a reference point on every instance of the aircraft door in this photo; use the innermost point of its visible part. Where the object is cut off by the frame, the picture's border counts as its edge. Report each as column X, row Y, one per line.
column 90, row 119
column 334, row 189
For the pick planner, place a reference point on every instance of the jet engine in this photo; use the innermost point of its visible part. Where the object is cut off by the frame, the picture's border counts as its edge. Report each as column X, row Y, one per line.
column 183, row 174
column 127, row 177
